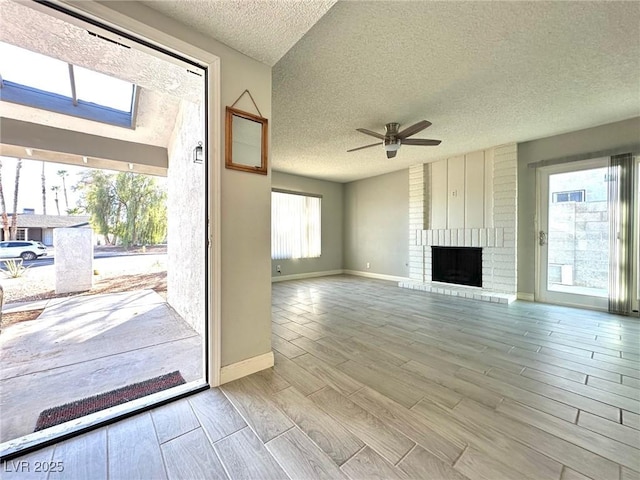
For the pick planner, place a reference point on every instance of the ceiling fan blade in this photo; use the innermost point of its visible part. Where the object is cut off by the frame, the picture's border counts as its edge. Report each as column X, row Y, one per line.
column 369, row 132
column 420, row 141
column 413, row 129
column 391, row 153
column 377, row 144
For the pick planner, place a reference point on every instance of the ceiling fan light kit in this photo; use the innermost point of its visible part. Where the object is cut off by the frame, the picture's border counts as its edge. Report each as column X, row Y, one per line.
column 393, row 138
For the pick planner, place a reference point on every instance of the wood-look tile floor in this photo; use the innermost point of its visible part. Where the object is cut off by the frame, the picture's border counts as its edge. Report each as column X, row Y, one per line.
column 373, row 381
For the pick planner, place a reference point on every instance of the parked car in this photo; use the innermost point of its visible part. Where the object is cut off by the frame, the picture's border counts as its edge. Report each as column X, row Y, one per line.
column 26, row 250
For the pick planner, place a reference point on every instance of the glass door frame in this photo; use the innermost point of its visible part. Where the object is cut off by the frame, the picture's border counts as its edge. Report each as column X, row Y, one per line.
column 127, row 30
column 542, row 293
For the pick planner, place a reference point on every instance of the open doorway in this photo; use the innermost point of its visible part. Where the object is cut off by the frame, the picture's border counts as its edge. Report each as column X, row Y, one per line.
column 87, row 346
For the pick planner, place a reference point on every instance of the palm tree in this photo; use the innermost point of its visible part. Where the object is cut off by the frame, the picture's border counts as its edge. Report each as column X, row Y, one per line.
column 55, row 189
column 62, row 174
column 44, row 192
column 14, row 217
column 5, row 218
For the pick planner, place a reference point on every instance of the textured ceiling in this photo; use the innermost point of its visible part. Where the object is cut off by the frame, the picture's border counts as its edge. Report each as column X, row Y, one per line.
column 264, row 30
column 484, row 73
column 163, row 84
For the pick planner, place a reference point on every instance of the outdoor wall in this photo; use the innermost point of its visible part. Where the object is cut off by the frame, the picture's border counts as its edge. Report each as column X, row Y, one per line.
column 73, row 263
column 245, row 270
column 332, row 207
column 376, row 223
column 583, row 142
column 578, row 232
column 186, row 198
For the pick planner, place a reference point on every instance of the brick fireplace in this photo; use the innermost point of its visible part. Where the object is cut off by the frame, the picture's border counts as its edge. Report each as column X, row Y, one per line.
column 495, row 233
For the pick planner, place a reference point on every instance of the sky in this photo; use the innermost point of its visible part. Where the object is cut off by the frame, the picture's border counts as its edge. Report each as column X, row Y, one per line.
column 30, row 188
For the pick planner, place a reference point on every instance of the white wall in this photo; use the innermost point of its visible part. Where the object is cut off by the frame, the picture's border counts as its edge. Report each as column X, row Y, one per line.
column 376, row 224
column 186, row 200
column 583, row 142
column 332, row 206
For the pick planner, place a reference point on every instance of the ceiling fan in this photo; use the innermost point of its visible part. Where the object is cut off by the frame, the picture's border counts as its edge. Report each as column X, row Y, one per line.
column 392, row 139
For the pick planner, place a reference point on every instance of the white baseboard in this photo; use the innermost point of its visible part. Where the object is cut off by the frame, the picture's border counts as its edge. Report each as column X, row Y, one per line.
column 298, row 276
column 232, row 372
column 528, row 297
column 379, row 276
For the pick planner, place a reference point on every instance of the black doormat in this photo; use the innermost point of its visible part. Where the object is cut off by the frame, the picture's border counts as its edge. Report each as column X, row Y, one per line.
column 80, row 408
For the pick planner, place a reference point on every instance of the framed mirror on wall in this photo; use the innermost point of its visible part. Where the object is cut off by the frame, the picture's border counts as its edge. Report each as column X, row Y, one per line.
column 246, row 146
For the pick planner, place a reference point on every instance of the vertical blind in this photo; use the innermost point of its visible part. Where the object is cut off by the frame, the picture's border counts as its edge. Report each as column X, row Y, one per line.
column 621, row 218
column 295, row 225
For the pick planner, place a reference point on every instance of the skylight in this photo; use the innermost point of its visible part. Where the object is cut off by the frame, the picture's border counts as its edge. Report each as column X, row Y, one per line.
column 38, row 81
column 91, row 87
column 34, row 70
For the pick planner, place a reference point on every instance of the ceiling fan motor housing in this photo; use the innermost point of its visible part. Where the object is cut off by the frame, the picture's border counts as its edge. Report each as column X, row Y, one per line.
column 391, row 142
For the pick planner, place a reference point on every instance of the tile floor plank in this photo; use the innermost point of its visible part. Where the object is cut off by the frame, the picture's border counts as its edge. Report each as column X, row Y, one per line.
column 24, row 467
column 332, row 377
column 422, row 464
column 415, row 427
column 190, row 457
column 301, row 458
column 631, row 419
column 368, row 465
column 582, row 437
column 216, row 414
column 491, row 442
column 134, row 452
column 608, row 398
column 333, row 438
column 391, row 387
column 297, row 376
column 514, row 392
column 464, row 388
column 559, row 394
column 323, row 352
column 567, row 453
column 82, row 457
column 173, row 420
column 387, row 441
column 285, row 347
column 258, row 409
column 245, row 457
column 610, row 429
column 617, row 388
column 477, row 466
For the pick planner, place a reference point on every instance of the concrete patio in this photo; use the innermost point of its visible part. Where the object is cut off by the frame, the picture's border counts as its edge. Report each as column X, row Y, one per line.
column 85, row 345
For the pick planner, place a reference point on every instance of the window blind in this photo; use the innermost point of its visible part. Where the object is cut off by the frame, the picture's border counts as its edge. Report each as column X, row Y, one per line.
column 295, row 225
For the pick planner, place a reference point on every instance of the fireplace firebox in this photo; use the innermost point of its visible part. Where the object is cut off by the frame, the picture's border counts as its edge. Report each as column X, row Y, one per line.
column 459, row 265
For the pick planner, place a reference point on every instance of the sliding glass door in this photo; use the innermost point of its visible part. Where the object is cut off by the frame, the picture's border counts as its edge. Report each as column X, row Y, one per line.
column 573, row 234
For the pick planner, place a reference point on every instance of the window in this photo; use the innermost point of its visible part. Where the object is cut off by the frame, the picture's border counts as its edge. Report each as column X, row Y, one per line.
column 295, row 225
column 38, row 81
column 572, row 196
column 21, row 234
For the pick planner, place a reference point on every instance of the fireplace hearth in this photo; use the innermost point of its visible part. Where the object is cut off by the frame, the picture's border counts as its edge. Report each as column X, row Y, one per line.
column 457, row 265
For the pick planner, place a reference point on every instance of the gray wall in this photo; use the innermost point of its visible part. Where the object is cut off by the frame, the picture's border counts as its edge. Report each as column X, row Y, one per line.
column 332, row 223
column 582, row 142
column 377, row 224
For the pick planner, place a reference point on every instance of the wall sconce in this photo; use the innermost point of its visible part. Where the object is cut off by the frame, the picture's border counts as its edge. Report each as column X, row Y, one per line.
column 198, row 153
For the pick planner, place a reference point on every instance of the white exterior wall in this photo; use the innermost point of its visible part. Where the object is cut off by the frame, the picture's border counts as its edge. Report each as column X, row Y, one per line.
column 73, row 262
column 186, row 199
